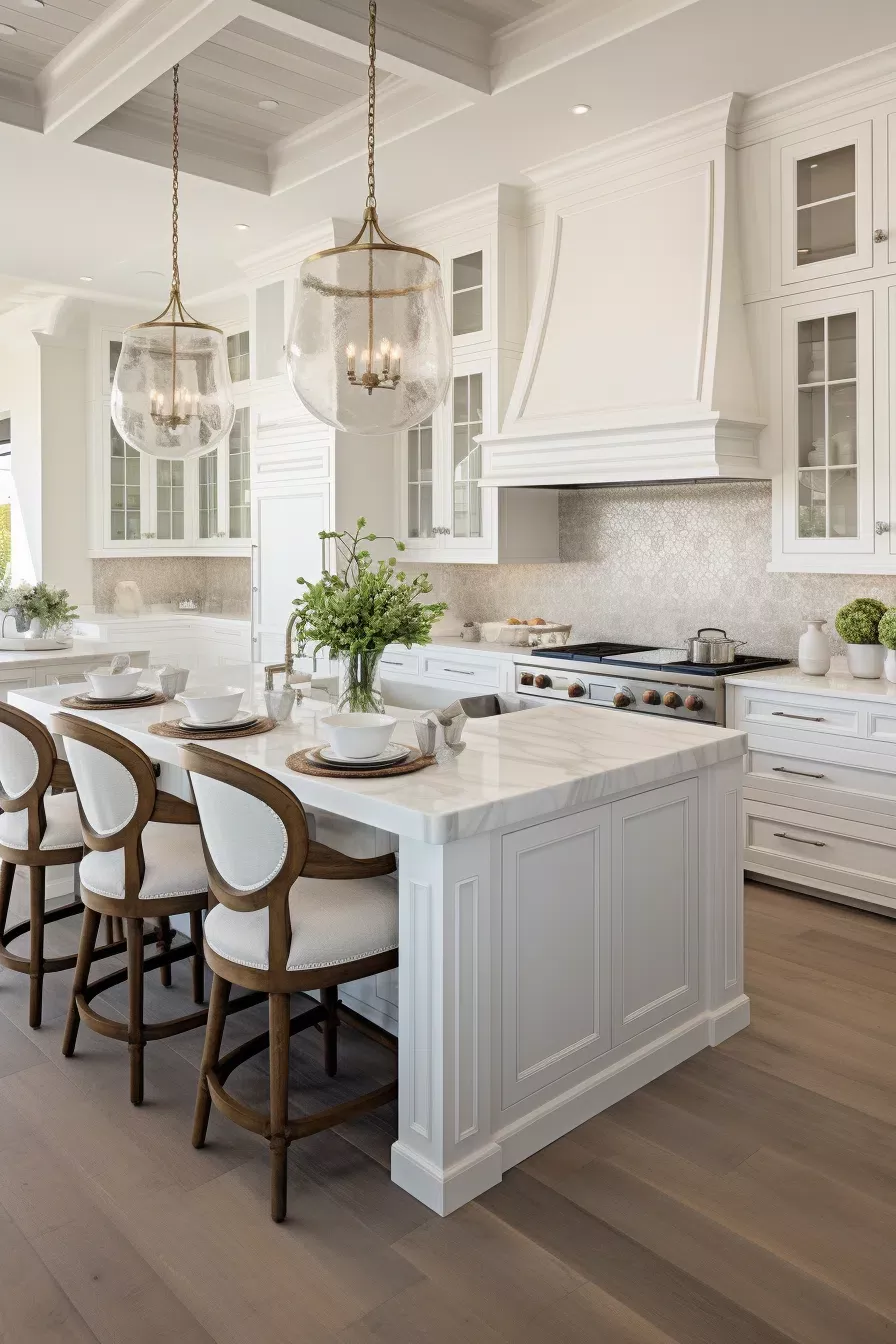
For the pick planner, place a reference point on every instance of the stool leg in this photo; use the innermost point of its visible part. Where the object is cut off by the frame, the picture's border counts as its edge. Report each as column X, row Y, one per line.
column 278, row 1014
column 164, row 945
column 38, row 896
column 110, row 930
column 118, row 928
column 211, row 1052
column 90, row 927
column 198, row 956
column 329, row 997
column 136, row 1039
column 7, row 873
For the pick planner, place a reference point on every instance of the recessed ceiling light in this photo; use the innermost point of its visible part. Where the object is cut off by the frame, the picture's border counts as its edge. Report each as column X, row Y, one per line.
column 242, row 227
column 86, row 278
column 579, row 109
column 268, row 104
column 7, row 30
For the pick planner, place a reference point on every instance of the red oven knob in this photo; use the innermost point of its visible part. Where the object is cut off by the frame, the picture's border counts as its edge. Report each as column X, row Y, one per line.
column 542, row 680
column 575, row 689
column 672, row 700
column 693, row 702
column 622, row 699
column 651, row 697
column 527, row 679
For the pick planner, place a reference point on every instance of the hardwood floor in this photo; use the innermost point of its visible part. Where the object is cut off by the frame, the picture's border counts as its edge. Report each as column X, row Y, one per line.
column 748, row 1197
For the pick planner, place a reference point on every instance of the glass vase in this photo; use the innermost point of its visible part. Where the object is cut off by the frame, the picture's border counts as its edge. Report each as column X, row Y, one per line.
column 359, row 683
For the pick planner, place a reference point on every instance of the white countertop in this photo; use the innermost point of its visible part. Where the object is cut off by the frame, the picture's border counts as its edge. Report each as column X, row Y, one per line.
column 80, row 648
column 516, row 768
column 479, row 646
column 113, row 618
column 838, row 682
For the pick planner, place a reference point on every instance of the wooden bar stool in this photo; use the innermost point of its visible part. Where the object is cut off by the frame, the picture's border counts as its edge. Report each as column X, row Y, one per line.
column 38, row 830
column 143, row 860
column 293, row 915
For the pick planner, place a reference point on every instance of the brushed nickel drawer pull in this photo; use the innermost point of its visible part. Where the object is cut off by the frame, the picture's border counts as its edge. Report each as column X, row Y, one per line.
column 391, row 662
column 808, row 718
column 806, row 774
column 459, row 671
column 782, row 835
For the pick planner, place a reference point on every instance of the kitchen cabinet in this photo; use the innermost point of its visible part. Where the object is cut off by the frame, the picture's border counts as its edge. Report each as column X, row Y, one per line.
column 287, row 547
column 187, row 640
column 826, row 204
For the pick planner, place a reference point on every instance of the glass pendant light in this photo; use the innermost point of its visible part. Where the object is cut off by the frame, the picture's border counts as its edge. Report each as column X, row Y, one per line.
column 171, row 395
column 369, row 347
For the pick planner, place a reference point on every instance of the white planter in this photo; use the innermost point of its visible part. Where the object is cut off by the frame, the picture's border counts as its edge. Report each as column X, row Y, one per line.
column 890, row 665
column 814, row 650
column 865, row 660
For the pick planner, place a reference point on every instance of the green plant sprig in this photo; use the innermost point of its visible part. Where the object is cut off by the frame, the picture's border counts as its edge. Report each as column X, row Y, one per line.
column 859, row 620
column 886, row 631
column 367, row 605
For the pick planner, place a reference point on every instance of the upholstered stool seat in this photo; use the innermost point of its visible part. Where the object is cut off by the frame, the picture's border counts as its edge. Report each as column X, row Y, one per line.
column 332, row 923
column 63, row 824
column 175, row 865
column 143, row 860
column 39, row 829
column 292, row 915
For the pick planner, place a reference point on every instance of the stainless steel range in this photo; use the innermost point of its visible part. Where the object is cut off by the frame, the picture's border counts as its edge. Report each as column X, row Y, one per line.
column 632, row 677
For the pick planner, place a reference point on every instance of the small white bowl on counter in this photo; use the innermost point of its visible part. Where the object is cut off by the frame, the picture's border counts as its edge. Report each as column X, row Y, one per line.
column 113, row 685
column 357, row 737
column 211, row 704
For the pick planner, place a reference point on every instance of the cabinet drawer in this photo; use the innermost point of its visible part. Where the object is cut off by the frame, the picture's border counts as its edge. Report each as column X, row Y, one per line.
column 825, row 850
column 797, row 714
column 473, row 671
column 397, row 664
column 799, row 771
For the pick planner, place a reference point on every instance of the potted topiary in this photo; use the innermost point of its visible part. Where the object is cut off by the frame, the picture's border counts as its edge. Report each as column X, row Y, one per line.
column 886, row 633
column 857, row 624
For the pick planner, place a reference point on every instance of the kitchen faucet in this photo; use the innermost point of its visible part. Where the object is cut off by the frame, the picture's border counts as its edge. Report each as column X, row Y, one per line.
column 288, row 665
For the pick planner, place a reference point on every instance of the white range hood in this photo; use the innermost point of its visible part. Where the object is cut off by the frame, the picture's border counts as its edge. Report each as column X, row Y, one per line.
column 636, row 365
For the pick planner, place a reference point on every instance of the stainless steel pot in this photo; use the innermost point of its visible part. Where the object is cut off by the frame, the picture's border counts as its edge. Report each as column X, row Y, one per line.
column 712, row 647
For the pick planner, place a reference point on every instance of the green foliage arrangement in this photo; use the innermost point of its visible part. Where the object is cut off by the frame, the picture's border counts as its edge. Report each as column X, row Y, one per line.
column 859, row 620
column 367, row 605
column 37, row 601
column 886, row 631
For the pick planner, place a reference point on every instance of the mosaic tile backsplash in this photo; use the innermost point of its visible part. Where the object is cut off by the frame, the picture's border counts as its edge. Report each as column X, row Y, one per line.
column 220, row 584
column 656, row 562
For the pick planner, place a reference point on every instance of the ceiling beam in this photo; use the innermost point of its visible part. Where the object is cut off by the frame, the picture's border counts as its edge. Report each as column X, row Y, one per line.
column 413, row 39
column 125, row 48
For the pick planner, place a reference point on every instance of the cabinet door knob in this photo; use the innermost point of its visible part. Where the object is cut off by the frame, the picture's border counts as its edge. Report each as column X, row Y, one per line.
column 881, row 528
column 880, row 235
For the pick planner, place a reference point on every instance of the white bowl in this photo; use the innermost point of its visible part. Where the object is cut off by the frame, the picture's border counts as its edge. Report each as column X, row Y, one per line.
column 357, row 737
column 113, row 685
column 211, row 704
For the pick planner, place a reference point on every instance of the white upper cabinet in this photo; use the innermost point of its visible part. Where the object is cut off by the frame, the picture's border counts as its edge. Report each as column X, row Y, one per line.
column 826, row 204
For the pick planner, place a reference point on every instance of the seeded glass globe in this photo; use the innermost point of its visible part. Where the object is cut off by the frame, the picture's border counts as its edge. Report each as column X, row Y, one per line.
column 171, row 396
column 369, row 347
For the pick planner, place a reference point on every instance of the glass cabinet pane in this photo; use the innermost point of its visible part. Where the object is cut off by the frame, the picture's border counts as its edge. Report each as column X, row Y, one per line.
column 238, row 356
column 827, row 427
column 419, row 479
column 169, row 500
column 208, row 495
column 467, row 294
column 239, row 521
column 124, row 499
column 467, row 423
column 826, row 205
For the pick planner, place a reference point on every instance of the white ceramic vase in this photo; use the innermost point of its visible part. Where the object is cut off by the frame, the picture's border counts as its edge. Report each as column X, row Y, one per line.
column 865, row 660
column 890, row 665
column 814, row 650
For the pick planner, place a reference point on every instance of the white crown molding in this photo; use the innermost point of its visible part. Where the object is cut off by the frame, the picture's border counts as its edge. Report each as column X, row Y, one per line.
column 479, row 209
column 821, row 96
column 293, row 250
column 558, row 33
column 402, row 109
column 709, row 125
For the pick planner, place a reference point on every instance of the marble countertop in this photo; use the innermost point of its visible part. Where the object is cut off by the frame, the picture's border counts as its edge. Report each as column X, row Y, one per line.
column 837, row 682
column 479, row 646
column 80, row 648
column 516, row 768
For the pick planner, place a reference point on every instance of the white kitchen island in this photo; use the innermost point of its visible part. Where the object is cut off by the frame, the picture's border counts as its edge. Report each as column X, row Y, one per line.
column 570, row 918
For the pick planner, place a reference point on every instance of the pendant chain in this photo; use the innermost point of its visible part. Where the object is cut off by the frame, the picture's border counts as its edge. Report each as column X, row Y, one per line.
column 175, row 145
column 371, row 107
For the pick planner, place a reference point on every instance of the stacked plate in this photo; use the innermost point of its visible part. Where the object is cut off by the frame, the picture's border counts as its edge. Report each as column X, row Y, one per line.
column 241, row 720
column 136, row 697
column 394, row 754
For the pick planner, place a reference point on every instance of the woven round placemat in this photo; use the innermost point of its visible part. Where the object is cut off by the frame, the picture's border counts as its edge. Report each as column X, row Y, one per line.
column 79, row 702
column 172, row 728
column 300, row 762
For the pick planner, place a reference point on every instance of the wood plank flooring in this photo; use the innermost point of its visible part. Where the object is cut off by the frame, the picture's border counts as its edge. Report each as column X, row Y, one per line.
column 747, row 1197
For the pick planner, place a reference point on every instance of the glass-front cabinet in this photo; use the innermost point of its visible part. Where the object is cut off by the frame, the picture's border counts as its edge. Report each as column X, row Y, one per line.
column 828, row 426
column 826, row 204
